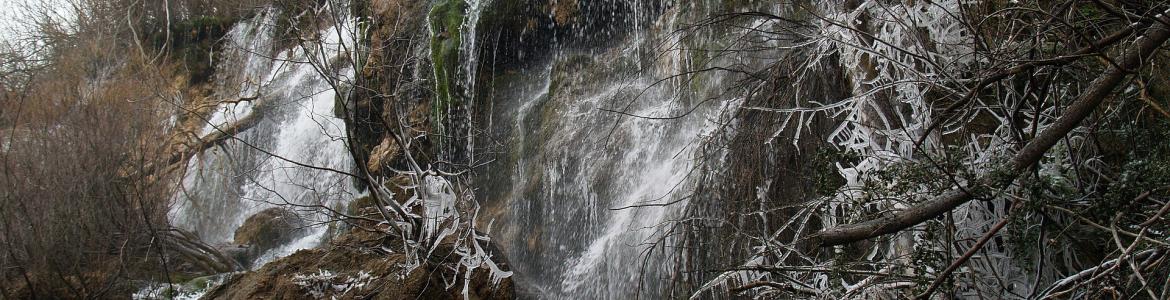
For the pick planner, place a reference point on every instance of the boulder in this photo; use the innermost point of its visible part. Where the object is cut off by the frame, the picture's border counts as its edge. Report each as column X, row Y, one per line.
column 362, row 206
column 382, row 155
column 268, row 229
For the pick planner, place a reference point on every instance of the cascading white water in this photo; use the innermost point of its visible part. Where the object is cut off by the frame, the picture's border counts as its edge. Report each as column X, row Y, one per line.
column 588, row 189
column 592, row 190
column 293, row 157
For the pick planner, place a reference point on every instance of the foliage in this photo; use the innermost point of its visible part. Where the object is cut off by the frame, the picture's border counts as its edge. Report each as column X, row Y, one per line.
column 73, row 174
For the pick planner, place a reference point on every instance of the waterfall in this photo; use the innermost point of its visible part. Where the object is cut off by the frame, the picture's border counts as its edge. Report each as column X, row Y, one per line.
column 591, row 197
column 598, row 158
column 584, row 149
column 294, row 155
column 595, row 148
column 567, row 182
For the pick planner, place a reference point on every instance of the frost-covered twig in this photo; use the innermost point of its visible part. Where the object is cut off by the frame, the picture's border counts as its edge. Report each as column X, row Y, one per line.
column 1098, row 92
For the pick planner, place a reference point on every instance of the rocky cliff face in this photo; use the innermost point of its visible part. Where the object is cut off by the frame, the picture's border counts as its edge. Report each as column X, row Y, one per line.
column 622, row 147
column 370, row 60
column 533, row 94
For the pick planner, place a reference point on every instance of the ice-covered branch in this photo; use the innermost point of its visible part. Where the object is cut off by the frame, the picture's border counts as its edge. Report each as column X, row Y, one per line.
column 1086, row 104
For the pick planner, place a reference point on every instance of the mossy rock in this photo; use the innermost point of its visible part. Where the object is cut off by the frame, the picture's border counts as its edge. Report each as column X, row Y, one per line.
column 446, row 18
column 268, row 229
column 192, row 41
column 361, row 206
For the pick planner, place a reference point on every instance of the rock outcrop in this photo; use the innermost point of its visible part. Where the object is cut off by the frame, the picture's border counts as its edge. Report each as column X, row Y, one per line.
column 269, row 229
column 361, row 264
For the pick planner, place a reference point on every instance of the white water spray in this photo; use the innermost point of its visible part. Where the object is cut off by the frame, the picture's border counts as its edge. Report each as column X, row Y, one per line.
column 294, row 157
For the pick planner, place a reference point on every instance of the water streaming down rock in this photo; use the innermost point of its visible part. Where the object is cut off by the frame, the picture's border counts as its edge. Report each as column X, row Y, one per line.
column 599, row 146
column 585, row 184
column 291, row 157
column 594, row 143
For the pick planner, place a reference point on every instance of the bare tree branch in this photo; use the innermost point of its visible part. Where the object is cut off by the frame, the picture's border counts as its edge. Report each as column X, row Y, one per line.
column 1085, row 105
